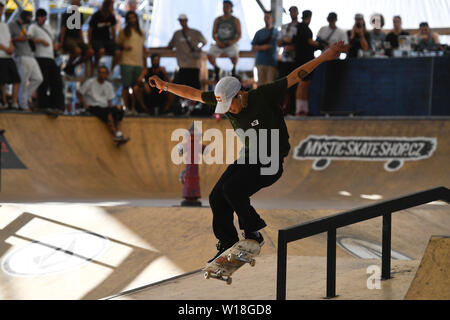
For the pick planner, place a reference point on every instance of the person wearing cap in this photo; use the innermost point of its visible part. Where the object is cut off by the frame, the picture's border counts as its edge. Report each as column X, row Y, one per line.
column 188, row 43
column 43, row 38
column 304, row 52
column 226, row 33
column 9, row 73
column 265, row 45
column 253, row 112
column 358, row 37
column 331, row 33
column 30, row 73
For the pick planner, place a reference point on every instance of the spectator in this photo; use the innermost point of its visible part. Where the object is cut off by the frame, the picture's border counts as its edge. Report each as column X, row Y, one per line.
column 392, row 36
column 226, row 33
column 304, row 52
column 71, row 41
column 287, row 60
column 96, row 95
column 102, row 36
column 331, row 34
column 377, row 36
column 426, row 39
column 9, row 74
column 30, row 73
column 358, row 37
column 43, row 39
column 188, row 43
column 265, row 45
column 133, row 58
column 149, row 97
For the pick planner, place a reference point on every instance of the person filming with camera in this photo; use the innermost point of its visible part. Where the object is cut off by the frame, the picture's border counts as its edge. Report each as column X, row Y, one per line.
column 359, row 38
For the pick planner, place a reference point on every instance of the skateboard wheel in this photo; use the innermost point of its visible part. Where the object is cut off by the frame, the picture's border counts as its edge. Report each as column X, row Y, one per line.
column 207, row 275
column 230, row 258
column 252, row 262
column 229, row 280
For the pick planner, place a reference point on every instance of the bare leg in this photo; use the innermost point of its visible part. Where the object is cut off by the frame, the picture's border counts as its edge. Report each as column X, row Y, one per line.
column 15, row 93
column 139, row 96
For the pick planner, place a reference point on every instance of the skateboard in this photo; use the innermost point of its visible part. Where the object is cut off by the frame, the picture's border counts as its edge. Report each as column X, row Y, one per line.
column 232, row 259
column 121, row 142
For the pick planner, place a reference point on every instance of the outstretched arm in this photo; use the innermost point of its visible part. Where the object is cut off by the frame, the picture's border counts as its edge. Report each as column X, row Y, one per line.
column 177, row 89
column 301, row 72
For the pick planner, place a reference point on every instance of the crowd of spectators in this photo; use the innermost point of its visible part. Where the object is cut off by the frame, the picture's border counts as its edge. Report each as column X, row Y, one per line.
column 28, row 50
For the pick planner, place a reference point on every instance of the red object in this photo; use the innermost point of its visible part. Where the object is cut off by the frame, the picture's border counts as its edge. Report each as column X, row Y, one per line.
column 191, row 178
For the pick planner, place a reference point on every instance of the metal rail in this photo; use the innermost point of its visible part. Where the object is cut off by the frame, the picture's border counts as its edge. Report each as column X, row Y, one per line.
column 331, row 223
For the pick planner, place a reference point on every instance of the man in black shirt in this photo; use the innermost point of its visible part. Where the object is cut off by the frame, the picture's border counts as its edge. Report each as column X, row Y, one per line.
column 392, row 36
column 304, row 52
column 256, row 112
column 101, row 34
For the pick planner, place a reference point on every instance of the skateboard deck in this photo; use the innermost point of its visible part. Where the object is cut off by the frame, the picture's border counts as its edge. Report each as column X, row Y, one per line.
column 232, row 259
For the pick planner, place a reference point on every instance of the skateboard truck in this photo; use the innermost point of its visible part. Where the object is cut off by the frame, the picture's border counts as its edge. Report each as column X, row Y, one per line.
column 241, row 257
column 218, row 276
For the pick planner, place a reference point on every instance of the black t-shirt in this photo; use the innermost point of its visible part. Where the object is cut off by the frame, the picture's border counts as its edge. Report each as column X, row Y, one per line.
column 304, row 52
column 355, row 43
column 101, row 26
column 75, row 32
column 393, row 38
column 262, row 112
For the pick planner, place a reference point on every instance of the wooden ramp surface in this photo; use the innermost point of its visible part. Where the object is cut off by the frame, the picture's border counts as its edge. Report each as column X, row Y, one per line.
column 74, row 158
column 432, row 280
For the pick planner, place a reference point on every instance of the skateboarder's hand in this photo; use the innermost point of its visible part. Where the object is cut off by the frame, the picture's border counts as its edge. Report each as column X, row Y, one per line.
column 155, row 81
column 335, row 50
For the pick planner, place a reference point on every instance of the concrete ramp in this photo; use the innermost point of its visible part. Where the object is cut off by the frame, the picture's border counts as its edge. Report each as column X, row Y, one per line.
column 432, row 280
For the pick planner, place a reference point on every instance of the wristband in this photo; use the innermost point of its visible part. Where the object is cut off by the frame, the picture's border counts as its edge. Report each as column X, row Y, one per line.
column 162, row 87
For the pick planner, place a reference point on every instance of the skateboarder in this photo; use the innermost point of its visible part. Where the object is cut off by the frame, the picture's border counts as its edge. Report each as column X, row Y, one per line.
column 255, row 109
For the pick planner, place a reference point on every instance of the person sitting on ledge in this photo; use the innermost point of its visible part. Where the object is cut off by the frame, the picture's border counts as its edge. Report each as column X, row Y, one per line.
column 96, row 95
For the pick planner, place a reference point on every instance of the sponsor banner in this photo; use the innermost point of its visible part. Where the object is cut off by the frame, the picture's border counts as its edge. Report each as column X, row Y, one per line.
column 394, row 151
column 8, row 159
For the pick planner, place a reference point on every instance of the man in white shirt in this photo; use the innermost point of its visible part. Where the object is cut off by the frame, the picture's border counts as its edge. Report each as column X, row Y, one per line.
column 9, row 73
column 96, row 95
column 43, row 39
column 331, row 33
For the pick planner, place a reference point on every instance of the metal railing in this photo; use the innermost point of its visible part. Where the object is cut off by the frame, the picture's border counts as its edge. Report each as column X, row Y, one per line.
column 331, row 223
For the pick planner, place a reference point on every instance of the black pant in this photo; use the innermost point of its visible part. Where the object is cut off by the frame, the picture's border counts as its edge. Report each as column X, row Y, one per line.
column 52, row 82
column 232, row 194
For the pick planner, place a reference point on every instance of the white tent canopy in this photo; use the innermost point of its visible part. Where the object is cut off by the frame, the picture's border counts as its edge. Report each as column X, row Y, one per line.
column 201, row 15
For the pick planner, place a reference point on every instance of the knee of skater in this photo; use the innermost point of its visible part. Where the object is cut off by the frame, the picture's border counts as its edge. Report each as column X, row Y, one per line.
column 229, row 190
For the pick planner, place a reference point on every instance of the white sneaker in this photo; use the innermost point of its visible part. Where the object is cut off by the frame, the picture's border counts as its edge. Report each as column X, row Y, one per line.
column 15, row 106
column 3, row 106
